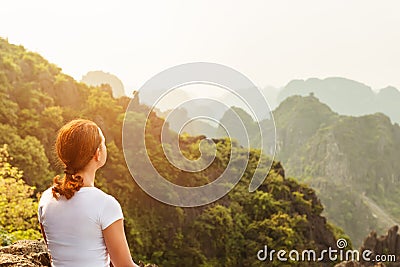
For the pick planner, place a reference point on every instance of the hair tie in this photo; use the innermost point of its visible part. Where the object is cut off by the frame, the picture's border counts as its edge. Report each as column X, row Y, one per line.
column 69, row 171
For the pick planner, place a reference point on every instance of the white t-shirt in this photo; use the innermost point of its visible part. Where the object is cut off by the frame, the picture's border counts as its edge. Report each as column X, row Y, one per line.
column 74, row 227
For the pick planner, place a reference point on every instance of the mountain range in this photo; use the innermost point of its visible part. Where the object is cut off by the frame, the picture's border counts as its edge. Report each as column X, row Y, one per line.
column 347, row 97
column 344, row 96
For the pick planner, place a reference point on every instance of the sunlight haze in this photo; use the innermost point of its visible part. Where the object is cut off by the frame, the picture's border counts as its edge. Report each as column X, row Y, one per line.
column 271, row 42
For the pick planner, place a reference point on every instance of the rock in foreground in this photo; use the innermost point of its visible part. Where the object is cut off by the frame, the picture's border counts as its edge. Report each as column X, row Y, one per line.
column 30, row 253
column 25, row 253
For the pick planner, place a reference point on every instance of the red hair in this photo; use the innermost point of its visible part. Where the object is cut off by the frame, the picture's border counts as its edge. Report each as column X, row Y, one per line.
column 76, row 144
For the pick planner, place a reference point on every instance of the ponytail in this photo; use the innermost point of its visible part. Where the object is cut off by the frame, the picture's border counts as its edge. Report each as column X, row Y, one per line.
column 67, row 186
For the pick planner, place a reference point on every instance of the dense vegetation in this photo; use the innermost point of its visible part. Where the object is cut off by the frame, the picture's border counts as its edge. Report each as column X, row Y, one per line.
column 17, row 206
column 37, row 98
column 350, row 160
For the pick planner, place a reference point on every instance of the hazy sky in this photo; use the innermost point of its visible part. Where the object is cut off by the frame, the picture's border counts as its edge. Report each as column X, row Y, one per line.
column 272, row 42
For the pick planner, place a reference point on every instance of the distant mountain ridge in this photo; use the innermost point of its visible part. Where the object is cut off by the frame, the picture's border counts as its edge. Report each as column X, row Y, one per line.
column 347, row 97
column 96, row 78
column 343, row 96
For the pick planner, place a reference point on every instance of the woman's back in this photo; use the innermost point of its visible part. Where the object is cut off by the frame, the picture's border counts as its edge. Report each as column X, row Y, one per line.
column 74, row 227
column 82, row 225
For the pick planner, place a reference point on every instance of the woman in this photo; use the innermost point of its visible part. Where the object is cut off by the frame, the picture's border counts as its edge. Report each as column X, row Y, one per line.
column 82, row 225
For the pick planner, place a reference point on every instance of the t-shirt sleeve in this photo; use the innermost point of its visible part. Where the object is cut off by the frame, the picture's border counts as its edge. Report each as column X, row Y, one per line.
column 40, row 214
column 111, row 212
column 43, row 200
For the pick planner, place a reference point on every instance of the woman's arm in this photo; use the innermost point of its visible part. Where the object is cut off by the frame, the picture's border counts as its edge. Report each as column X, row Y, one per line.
column 117, row 246
column 43, row 233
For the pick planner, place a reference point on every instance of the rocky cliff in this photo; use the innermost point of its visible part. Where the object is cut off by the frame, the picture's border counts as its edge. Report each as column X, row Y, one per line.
column 383, row 246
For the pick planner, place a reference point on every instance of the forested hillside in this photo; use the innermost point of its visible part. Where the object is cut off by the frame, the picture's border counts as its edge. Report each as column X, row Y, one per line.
column 350, row 161
column 37, row 98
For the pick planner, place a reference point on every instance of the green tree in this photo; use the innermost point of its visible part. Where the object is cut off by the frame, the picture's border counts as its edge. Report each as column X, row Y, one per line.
column 214, row 229
column 18, row 219
column 28, row 154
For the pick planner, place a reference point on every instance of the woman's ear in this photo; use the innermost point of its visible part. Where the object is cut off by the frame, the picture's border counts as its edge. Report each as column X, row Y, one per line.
column 97, row 155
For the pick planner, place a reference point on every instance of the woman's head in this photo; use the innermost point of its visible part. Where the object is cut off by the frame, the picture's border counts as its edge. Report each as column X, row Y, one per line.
column 78, row 143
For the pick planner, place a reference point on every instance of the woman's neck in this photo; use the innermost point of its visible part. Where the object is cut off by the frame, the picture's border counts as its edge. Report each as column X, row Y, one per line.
column 88, row 177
